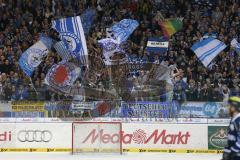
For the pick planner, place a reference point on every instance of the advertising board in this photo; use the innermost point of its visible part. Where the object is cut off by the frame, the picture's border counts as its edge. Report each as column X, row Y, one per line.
column 145, row 109
column 151, row 136
column 174, row 136
column 5, row 107
column 28, row 114
column 57, row 105
column 19, row 106
column 203, row 109
column 124, row 109
column 35, row 135
column 136, row 137
column 217, row 137
column 7, row 133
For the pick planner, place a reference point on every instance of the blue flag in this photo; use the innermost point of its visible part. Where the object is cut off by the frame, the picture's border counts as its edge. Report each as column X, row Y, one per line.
column 110, row 48
column 33, row 56
column 123, row 29
column 87, row 19
column 207, row 49
column 157, row 45
column 71, row 33
column 62, row 51
column 48, row 42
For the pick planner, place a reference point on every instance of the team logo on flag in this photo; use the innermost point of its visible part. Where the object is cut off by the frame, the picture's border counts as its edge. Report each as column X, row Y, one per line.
column 32, row 57
column 109, row 45
column 71, row 33
column 113, row 52
column 71, row 41
column 36, row 56
column 62, row 76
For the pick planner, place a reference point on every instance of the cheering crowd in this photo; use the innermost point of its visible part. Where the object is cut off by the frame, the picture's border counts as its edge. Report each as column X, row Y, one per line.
column 22, row 21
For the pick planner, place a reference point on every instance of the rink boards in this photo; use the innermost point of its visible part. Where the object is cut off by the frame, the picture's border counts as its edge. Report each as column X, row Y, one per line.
column 136, row 136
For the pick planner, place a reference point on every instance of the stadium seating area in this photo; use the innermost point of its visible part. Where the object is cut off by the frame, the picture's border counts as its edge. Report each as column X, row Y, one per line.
column 22, row 21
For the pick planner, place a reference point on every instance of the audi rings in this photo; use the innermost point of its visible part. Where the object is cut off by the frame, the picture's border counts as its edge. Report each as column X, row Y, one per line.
column 34, row 136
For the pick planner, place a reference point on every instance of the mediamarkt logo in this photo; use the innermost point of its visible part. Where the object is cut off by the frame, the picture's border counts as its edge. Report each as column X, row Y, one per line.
column 139, row 137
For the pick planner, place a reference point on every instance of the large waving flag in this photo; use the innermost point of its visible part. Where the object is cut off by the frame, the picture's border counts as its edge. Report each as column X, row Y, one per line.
column 62, row 51
column 157, row 45
column 123, row 29
column 236, row 45
column 61, row 77
column 48, row 42
column 207, row 49
column 171, row 26
column 34, row 55
column 87, row 19
column 71, row 33
column 110, row 48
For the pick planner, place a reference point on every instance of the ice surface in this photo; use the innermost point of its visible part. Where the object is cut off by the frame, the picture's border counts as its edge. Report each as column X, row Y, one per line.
column 135, row 156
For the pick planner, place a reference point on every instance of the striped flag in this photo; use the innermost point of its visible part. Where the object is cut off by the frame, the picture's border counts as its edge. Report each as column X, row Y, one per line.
column 207, row 49
column 62, row 51
column 171, row 26
column 71, row 33
column 157, row 45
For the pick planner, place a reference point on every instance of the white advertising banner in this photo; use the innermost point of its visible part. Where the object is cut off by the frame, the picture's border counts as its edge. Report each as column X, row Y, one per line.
column 153, row 136
column 134, row 136
column 174, row 136
column 7, row 134
column 35, row 135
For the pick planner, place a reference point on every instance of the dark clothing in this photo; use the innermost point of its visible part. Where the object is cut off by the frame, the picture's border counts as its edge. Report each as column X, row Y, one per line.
column 233, row 147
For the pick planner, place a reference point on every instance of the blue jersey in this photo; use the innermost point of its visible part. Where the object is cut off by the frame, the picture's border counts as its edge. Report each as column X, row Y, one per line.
column 234, row 137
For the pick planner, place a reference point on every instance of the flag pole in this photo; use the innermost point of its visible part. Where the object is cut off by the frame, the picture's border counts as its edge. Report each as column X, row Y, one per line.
column 33, row 85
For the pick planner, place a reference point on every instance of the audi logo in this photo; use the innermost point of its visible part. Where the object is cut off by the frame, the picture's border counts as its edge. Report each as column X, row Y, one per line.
column 34, row 136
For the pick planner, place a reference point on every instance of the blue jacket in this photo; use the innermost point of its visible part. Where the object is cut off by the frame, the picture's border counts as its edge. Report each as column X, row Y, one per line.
column 234, row 137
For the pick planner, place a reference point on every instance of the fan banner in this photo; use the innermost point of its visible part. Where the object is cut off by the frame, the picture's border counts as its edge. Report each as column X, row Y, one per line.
column 71, row 33
column 123, row 29
column 157, row 45
column 61, row 77
column 112, row 49
column 32, row 57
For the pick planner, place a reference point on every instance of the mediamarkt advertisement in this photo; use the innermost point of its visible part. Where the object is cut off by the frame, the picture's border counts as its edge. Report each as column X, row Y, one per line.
column 134, row 136
column 150, row 136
